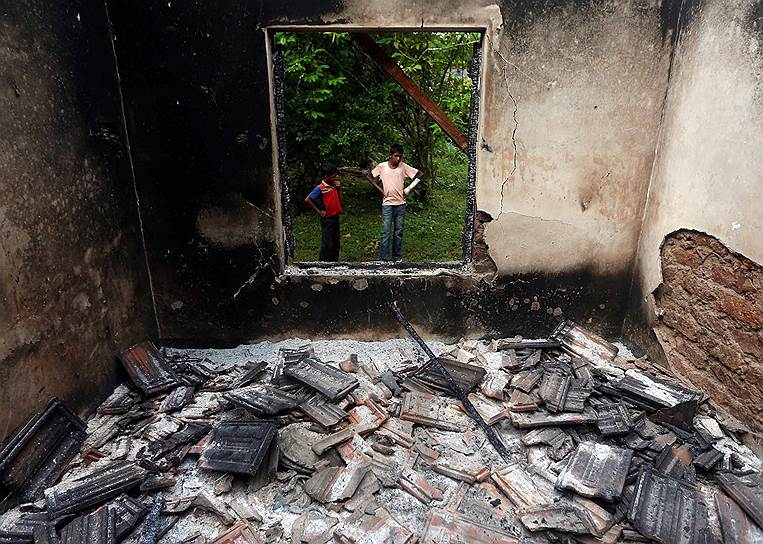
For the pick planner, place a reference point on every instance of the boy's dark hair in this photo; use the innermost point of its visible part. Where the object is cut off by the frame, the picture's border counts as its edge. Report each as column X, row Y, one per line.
column 328, row 169
column 395, row 148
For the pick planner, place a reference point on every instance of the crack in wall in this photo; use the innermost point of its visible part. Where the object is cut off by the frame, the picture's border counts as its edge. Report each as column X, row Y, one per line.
column 128, row 148
column 516, row 125
column 515, row 102
column 265, row 264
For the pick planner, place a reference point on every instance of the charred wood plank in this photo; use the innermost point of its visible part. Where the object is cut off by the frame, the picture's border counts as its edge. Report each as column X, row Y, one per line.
column 152, row 528
column 542, row 418
column 373, row 50
column 529, row 344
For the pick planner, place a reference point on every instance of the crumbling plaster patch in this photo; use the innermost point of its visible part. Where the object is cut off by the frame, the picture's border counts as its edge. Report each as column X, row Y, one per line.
column 710, row 324
column 422, row 13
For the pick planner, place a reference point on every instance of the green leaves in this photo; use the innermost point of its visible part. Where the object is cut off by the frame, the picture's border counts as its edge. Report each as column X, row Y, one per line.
column 341, row 107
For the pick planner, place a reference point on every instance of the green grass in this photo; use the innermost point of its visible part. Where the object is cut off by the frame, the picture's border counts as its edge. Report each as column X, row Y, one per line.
column 432, row 230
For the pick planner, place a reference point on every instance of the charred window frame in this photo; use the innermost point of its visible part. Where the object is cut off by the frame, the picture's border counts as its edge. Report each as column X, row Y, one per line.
column 279, row 137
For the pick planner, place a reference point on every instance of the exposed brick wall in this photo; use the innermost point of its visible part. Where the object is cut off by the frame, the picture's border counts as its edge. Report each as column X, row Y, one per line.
column 711, row 323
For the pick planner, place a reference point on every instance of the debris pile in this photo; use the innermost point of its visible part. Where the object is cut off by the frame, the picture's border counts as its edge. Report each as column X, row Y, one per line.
column 301, row 448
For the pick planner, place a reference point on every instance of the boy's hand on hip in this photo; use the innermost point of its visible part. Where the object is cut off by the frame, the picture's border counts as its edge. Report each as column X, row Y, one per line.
column 322, row 213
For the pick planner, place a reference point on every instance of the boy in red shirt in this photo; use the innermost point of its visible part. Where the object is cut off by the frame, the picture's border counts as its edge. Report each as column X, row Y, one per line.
column 326, row 200
column 392, row 173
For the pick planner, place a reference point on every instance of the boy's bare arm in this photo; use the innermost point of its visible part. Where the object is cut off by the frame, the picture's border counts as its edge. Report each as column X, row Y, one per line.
column 309, row 202
column 374, row 181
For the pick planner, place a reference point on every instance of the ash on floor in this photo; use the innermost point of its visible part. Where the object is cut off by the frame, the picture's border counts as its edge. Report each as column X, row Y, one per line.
column 363, row 442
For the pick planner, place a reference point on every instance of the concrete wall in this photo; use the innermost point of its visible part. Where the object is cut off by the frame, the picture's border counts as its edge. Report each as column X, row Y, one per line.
column 73, row 284
column 572, row 95
column 708, row 177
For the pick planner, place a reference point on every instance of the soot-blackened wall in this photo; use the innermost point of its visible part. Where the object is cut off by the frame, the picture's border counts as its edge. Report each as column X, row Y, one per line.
column 73, row 284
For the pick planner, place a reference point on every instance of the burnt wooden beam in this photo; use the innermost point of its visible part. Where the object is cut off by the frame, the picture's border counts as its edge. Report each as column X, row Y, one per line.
column 367, row 44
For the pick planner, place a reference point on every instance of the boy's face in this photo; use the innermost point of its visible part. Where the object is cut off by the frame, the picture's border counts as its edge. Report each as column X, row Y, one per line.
column 332, row 179
column 394, row 159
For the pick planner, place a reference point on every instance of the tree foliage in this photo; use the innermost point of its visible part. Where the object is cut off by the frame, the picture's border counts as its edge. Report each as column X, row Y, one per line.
column 341, row 107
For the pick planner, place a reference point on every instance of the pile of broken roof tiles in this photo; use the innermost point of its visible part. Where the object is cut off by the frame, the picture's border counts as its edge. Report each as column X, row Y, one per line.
column 602, row 450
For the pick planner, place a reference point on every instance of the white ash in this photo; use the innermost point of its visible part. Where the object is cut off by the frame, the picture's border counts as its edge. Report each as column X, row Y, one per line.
column 387, row 354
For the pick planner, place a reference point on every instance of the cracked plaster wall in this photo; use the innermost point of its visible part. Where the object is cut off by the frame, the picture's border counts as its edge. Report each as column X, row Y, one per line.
column 73, row 286
column 574, row 97
column 708, row 173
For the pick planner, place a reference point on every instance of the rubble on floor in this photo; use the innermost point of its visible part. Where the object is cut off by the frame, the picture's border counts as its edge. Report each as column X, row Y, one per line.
column 351, row 442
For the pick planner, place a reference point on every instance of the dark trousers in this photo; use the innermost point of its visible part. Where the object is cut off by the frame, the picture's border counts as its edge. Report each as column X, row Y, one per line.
column 329, row 239
column 393, row 217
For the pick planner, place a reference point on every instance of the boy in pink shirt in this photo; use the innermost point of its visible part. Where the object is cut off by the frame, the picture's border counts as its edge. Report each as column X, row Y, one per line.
column 392, row 173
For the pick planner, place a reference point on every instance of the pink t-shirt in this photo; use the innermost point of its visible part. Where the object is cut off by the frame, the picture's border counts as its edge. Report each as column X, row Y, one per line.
column 393, row 181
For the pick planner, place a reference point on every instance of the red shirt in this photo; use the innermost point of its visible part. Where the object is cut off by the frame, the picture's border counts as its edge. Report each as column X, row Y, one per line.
column 326, row 198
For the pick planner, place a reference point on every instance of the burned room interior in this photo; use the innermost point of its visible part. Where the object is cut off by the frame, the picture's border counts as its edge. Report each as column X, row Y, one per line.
column 590, row 372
